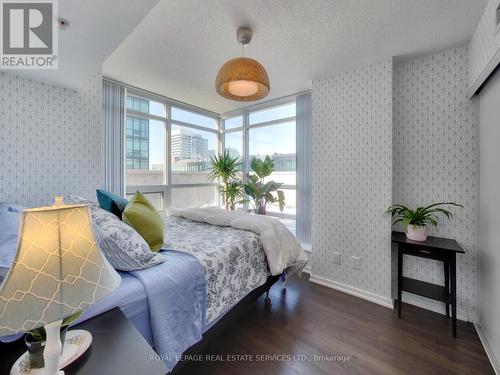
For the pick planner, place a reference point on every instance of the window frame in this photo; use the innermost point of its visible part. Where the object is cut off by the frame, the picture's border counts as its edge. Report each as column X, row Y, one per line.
column 245, row 129
column 166, row 188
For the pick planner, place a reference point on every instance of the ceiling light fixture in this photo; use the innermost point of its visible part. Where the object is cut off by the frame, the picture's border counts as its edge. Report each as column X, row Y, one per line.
column 242, row 78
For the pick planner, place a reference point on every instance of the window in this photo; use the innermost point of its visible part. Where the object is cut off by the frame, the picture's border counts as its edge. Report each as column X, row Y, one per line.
column 233, row 142
column 194, row 196
column 189, row 117
column 191, row 150
column 166, row 155
column 270, row 131
column 233, row 122
column 272, row 114
column 136, row 104
column 277, row 141
column 145, row 151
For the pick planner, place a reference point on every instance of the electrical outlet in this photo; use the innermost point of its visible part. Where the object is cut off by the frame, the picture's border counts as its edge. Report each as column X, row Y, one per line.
column 336, row 258
column 356, row 263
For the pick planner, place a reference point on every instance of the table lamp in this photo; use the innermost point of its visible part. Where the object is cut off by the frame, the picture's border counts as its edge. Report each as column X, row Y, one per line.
column 58, row 270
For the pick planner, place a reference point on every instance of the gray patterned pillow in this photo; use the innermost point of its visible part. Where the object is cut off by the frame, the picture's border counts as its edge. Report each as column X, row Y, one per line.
column 124, row 248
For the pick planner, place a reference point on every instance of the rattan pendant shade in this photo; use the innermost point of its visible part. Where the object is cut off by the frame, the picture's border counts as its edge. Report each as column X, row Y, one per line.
column 242, row 78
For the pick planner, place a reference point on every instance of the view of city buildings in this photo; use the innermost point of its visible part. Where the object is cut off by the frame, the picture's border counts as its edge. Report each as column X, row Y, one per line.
column 190, row 152
column 137, row 145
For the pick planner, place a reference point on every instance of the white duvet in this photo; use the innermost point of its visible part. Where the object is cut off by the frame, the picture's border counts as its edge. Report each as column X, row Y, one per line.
column 282, row 249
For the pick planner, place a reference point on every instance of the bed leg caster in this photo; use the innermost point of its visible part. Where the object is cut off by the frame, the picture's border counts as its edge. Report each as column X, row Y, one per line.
column 267, row 300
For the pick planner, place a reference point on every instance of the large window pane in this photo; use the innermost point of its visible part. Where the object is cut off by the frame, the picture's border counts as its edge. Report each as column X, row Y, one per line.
column 233, row 122
column 271, row 114
column 145, row 151
column 277, row 141
column 151, row 107
column 191, row 150
column 203, row 196
column 290, row 203
column 233, row 142
column 156, row 199
column 193, row 118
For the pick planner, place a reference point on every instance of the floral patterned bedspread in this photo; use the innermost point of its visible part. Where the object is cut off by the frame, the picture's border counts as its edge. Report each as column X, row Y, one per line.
column 234, row 260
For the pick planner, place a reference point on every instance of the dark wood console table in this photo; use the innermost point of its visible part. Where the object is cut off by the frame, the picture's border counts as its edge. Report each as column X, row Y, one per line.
column 442, row 249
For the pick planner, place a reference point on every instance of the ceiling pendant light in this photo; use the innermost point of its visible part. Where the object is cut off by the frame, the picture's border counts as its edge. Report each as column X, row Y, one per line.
column 242, row 78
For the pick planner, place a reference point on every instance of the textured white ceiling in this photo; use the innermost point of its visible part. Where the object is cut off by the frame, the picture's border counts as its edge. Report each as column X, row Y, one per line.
column 179, row 46
column 97, row 28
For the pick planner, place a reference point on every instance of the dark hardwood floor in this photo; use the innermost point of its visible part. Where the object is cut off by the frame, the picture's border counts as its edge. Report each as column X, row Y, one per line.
column 311, row 320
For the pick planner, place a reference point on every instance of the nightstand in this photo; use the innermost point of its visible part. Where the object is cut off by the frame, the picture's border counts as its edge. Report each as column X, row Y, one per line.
column 441, row 249
column 117, row 348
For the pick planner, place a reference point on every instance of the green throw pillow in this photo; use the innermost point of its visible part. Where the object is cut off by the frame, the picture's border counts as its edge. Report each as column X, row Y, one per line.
column 141, row 215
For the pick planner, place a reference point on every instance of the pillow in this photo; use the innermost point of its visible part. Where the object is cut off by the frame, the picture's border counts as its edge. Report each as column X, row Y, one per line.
column 124, row 248
column 9, row 222
column 141, row 215
column 111, row 202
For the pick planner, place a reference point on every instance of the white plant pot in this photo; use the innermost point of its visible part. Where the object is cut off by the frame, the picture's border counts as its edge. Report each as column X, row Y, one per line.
column 416, row 233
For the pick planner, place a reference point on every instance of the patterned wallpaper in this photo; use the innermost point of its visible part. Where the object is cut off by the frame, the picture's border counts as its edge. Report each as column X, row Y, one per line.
column 351, row 176
column 485, row 42
column 49, row 140
column 436, row 159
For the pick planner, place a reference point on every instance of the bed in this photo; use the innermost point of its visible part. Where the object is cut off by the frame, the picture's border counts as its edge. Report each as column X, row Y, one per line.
column 209, row 271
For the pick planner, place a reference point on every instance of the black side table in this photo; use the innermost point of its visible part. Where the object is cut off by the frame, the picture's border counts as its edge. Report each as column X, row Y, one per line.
column 117, row 348
column 442, row 249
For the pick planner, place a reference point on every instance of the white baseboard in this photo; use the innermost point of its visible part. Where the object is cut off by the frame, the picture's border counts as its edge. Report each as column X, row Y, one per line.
column 435, row 306
column 307, row 250
column 381, row 300
column 488, row 349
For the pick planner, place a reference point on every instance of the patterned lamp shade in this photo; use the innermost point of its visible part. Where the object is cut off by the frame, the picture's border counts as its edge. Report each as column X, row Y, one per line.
column 242, row 79
column 58, row 269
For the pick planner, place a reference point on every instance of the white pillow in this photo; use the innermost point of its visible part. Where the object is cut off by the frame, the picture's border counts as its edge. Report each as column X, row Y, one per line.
column 124, row 248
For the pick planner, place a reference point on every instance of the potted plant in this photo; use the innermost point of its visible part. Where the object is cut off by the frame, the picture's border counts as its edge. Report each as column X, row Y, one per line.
column 226, row 167
column 415, row 221
column 35, row 340
column 262, row 193
column 233, row 193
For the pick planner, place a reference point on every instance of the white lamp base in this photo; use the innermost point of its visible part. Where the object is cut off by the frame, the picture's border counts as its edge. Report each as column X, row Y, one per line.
column 76, row 343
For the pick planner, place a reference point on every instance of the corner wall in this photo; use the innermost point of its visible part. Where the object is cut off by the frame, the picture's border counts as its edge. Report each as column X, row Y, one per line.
column 50, row 140
column 384, row 134
column 351, row 180
column 436, row 159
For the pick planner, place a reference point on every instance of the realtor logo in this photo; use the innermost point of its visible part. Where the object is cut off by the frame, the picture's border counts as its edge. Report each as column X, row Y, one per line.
column 28, row 34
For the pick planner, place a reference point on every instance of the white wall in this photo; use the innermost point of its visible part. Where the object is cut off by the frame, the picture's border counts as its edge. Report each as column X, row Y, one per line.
column 351, row 179
column 484, row 47
column 489, row 221
column 50, row 140
column 436, row 159
column 381, row 135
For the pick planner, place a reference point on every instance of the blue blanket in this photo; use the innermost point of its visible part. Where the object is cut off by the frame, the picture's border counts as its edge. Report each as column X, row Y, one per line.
column 177, row 303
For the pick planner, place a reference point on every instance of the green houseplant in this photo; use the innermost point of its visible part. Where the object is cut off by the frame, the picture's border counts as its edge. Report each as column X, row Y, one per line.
column 35, row 340
column 233, row 193
column 226, row 168
column 262, row 193
column 415, row 221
